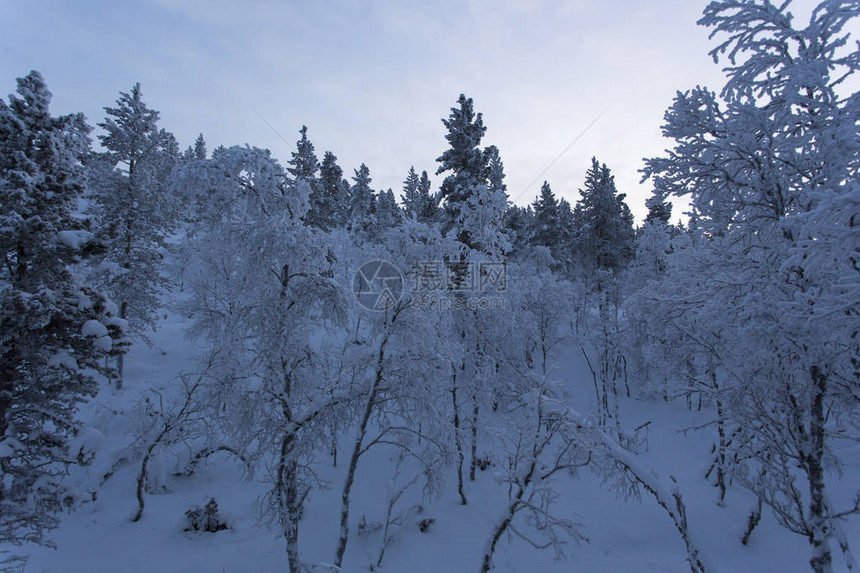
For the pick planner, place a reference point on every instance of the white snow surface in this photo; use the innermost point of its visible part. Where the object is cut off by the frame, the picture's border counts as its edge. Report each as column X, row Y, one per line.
column 74, row 239
column 623, row 536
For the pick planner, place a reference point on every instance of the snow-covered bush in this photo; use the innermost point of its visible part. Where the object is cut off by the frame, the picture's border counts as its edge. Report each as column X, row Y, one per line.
column 207, row 518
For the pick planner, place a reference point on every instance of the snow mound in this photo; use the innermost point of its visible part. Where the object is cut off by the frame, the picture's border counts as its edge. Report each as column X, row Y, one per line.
column 63, row 358
column 74, row 239
column 87, row 443
column 97, row 330
column 94, row 328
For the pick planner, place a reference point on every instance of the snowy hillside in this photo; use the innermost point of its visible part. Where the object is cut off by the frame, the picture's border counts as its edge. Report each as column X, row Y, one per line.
column 622, row 536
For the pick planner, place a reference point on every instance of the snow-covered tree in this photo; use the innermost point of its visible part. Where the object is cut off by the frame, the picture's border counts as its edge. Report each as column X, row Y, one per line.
column 54, row 332
column 604, row 224
column 362, row 203
column 197, row 152
column 542, row 303
column 418, row 202
column 303, row 163
column 430, row 213
column 495, row 169
column 761, row 164
column 541, row 447
column 483, row 217
column 546, row 226
column 329, row 196
column 658, row 210
column 388, row 213
column 326, row 189
column 200, row 148
column 410, row 198
column 133, row 208
column 653, row 242
column 603, row 245
column 260, row 289
column 653, row 245
column 563, row 252
column 519, row 221
column 464, row 159
column 475, row 204
column 399, row 355
column 482, row 222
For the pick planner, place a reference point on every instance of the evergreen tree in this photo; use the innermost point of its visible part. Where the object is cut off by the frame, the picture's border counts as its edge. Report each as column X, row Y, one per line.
column 546, row 226
column 135, row 213
column 475, row 204
column 304, row 164
column 53, row 333
column 200, row 148
column 563, row 250
column 495, row 169
column 519, row 222
column 481, row 221
column 430, row 209
column 362, row 202
column 603, row 222
column 303, row 169
column 217, row 151
column 197, row 152
column 329, row 200
column 418, row 203
column 464, row 159
column 653, row 241
column 388, row 214
column 411, row 198
column 658, row 210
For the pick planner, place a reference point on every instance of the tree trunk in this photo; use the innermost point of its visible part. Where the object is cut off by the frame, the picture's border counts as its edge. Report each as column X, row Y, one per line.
column 286, row 482
column 616, row 401
column 7, row 385
column 721, row 453
column 356, row 454
column 722, row 444
column 288, row 499
column 457, row 441
column 474, row 461
column 543, row 354
column 821, row 560
column 142, row 476
column 333, row 446
column 120, row 359
column 507, row 518
column 598, row 399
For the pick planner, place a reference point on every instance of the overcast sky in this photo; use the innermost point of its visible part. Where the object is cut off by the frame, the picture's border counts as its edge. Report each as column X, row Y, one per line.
column 372, row 79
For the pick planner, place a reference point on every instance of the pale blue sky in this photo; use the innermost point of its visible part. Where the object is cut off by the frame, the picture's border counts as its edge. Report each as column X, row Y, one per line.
column 372, row 79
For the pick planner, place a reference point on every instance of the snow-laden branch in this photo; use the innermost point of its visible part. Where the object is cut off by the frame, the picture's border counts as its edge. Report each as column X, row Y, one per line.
column 669, row 499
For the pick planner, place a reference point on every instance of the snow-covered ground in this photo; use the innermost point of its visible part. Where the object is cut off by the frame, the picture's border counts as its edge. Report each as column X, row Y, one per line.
column 624, row 536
